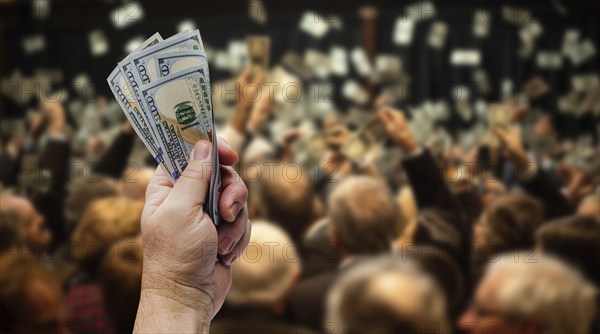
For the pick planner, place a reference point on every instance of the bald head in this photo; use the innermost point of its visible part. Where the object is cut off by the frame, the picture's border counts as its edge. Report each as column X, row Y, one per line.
column 364, row 215
column 267, row 271
column 31, row 224
column 386, row 295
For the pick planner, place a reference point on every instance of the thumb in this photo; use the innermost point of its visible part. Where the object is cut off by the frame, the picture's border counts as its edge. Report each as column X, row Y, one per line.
column 191, row 188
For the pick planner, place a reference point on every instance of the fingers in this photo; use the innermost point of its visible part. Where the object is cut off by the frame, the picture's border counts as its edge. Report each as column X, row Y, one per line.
column 158, row 189
column 234, row 194
column 230, row 234
column 227, row 155
column 390, row 115
column 240, row 246
column 191, row 188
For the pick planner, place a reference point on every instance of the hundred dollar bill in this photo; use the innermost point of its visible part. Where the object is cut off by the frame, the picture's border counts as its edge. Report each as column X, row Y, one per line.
column 181, row 107
column 160, row 138
column 128, row 102
column 152, row 40
column 173, row 62
column 144, row 63
column 365, row 142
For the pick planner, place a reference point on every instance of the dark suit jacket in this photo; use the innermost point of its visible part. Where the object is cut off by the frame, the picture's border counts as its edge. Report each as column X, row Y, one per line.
column 545, row 189
column 114, row 160
column 55, row 159
column 307, row 304
column 246, row 321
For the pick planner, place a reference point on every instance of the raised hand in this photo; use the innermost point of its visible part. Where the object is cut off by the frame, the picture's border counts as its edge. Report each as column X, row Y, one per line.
column 182, row 277
column 398, row 129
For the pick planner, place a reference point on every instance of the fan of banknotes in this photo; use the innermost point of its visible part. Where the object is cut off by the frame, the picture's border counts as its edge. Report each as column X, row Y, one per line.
column 163, row 87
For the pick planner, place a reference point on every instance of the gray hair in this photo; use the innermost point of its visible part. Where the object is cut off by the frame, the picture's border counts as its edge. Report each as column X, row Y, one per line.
column 386, row 295
column 365, row 215
column 547, row 291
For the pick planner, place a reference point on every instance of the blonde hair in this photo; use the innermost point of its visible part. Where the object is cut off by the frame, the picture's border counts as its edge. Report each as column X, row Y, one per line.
column 104, row 222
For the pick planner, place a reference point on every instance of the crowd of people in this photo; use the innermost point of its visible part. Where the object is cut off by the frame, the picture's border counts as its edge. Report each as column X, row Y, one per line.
column 445, row 241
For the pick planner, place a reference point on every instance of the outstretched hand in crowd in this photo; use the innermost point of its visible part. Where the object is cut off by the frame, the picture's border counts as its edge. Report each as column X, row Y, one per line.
column 183, row 283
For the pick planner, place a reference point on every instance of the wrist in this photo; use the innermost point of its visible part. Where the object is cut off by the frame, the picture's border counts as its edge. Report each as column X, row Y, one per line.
column 186, row 295
column 159, row 312
column 57, row 128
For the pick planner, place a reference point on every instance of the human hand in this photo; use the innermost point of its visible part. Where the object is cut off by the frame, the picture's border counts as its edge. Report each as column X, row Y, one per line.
column 336, row 136
column 36, row 123
column 513, row 147
column 578, row 182
column 261, row 110
column 518, row 111
column 55, row 113
column 246, row 90
column 183, row 284
column 398, row 129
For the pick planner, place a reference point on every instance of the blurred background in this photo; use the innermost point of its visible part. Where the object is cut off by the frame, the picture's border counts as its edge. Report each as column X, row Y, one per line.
column 412, row 144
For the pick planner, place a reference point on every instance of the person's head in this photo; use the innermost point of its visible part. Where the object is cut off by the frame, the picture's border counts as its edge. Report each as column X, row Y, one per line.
column 446, row 272
column 103, row 223
column 364, row 216
column 531, row 295
column 266, row 272
column 11, row 233
column 319, row 254
column 34, row 230
column 31, row 299
column 136, row 187
column 590, row 206
column 508, row 223
column 386, row 295
column 81, row 193
column 121, row 282
column 282, row 193
column 575, row 240
column 468, row 199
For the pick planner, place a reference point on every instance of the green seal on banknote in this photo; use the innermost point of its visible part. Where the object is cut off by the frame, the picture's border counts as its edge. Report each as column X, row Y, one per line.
column 184, row 112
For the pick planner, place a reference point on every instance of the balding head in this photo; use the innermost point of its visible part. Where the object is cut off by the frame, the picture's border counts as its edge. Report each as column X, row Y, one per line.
column 534, row 292
column 31, row 223
column 283, row 194
column 267, row 271
column 364, row 215
column 386, row 295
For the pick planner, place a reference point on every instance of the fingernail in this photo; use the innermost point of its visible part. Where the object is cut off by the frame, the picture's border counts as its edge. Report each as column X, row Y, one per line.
column 235, row 209
column 226, row 245
column 201, row 150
